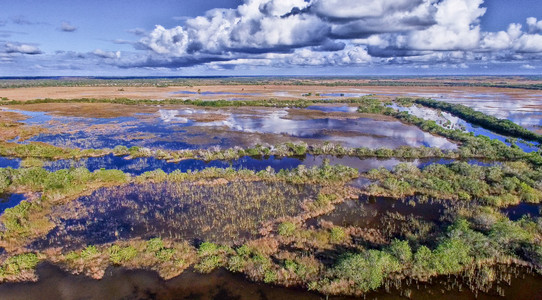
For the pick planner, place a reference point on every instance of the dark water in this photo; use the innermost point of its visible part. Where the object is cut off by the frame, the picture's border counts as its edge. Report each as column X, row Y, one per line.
column 117, row 284
column 517, row 212
column 137, row 166
column 368, row 212
column 224, row 213
column 10, row 200
column 120, row 284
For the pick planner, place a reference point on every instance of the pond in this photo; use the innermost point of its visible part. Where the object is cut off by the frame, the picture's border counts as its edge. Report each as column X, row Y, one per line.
column 137, row 284
column 222, row 212
column 137, row 166
column 516, row 212
column 10, row 200
column 188, row 128
column 6, row 162
column 450, row 121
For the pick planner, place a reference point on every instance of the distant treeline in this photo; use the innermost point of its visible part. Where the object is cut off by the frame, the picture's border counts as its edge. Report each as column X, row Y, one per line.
column 506, row 82
column 502, row 126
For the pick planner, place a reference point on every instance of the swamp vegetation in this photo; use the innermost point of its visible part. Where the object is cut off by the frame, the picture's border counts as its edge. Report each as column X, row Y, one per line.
column 278, row 227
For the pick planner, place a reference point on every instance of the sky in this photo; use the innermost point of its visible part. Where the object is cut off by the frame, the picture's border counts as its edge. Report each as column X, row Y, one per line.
column 269, row 37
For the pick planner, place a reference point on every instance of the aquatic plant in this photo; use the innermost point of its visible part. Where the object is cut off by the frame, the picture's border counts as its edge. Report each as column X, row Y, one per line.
column 499, row 185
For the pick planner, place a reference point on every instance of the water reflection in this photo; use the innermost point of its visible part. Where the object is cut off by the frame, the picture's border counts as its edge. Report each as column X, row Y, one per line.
column 120, row 284
column 137, row 166
column 223, row 212
column 450, row 121
column 195, row 129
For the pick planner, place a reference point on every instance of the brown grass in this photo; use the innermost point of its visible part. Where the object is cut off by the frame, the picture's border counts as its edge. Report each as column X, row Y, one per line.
column 281, row 92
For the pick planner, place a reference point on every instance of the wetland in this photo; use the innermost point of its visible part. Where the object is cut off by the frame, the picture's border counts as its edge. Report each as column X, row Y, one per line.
column 270, row 191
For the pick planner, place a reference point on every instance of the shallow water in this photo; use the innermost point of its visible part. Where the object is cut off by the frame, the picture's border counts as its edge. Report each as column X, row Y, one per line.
column 138, row 166
column 525, row 111
column 523, row 108
column 10, row 200
column 184, row 129
column 346, row 95
column 368, row 212
column 206, row 93
column 223, row 212
column 6, row 162
column 334, row 108
column 517, row 212
column 125, row 284
column 450, row 121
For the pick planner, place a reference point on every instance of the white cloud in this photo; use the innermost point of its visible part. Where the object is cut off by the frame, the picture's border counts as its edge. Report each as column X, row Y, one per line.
column 456, row 28
column 534, row 26
column 106, row 54
column 22, row 48
column 338, row 32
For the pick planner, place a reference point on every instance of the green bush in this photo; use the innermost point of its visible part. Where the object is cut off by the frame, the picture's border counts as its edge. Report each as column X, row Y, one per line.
column 287, row 229
column 119, row 255
column 366, row 270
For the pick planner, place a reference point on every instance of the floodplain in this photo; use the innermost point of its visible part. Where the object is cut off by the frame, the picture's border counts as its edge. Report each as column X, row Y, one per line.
column 290, row 188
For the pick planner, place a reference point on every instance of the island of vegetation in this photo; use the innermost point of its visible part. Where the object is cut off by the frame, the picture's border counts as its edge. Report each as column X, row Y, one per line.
column 271, row 225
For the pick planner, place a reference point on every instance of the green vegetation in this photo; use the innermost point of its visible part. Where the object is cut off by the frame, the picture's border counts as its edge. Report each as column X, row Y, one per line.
column 15, row 265
column 201, row 103
column 257, row 223
column 373, row 106
column 119, row 255
column 30, row 219
column 498, row 185
column 502, row 126
column 517, row 83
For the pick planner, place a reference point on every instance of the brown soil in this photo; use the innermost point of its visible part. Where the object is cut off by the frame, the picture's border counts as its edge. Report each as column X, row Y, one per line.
column 280, row 92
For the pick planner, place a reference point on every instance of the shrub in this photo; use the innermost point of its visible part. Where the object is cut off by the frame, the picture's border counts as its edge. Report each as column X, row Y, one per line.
column 287, row 229
column 118, row 255
column 366, row 270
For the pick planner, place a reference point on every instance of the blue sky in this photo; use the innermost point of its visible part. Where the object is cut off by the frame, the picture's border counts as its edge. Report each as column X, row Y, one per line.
column 270, row 37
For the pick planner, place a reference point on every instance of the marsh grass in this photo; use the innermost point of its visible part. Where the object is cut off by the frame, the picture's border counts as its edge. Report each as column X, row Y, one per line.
column 498, row 185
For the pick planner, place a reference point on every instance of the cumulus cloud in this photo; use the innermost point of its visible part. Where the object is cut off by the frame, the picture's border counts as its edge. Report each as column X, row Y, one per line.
column 534, row 25
column 67, row 27
column 106, row 54
column 336, row 32
column 514, row 39
column 22, row 49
